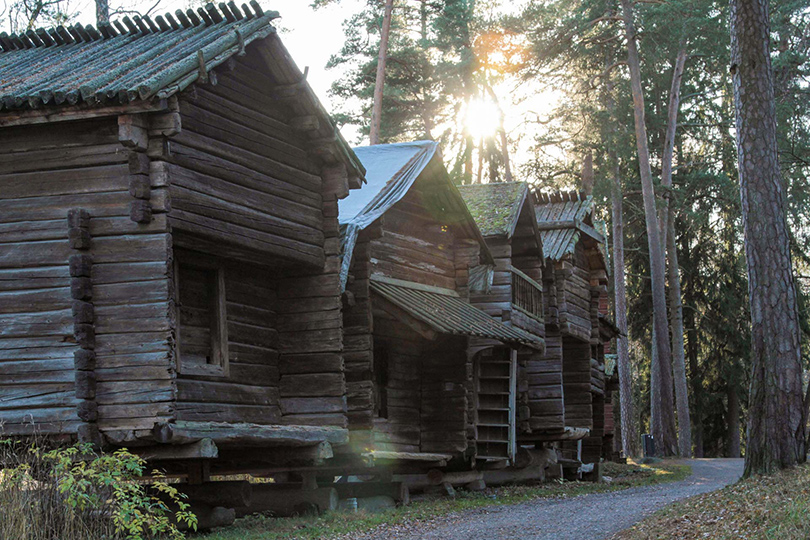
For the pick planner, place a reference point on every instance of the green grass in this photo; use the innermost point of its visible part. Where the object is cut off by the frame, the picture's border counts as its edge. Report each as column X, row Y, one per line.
column 759, row 508
column 335, row 524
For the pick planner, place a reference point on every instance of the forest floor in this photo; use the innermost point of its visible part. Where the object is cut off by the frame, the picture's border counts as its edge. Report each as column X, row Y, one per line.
column 759, row 508
column 497, row 513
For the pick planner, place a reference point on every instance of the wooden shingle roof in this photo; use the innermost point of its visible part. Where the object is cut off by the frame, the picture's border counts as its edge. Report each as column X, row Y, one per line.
column 445, row 312
column 495, row 206
column 130, row 60
column 562, row 217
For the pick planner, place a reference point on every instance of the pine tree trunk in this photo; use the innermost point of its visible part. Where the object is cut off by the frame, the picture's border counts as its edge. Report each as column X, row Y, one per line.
column 661, row 402
column 775, row 436
column 628, row 427
column 587, row 174
column 733, row 421
column 469, row 149
column 376, row 110
column 480, row 160
column 692, row 348
column 678, row 356
column 629, row 431
column 502, row 132
column 666, row 223
column 102, row 12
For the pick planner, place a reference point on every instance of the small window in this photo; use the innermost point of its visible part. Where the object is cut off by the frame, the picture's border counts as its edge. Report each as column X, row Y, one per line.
column 381, row 381
column 202, row 340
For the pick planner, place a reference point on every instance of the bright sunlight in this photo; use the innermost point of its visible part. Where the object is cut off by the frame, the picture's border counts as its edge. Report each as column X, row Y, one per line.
column 483, row 118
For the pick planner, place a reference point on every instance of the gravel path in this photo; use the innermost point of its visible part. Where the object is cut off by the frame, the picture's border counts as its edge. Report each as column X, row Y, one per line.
column 588, row 517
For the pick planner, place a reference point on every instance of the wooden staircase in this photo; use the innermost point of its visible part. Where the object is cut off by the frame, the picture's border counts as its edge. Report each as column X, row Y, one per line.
column 495, row 382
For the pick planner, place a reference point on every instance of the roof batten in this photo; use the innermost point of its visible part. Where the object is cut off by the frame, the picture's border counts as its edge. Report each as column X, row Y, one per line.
column 213, row 13
column 152, row 26
column 205, row 16
column 195, row 20
column 235, row 10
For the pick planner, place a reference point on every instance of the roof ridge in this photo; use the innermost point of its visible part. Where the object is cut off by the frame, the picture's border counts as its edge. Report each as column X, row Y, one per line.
column 136, row 27
column 490, row 184
column 559, row 196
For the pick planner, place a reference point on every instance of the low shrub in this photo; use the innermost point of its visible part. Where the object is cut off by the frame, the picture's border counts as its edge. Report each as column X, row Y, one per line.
column 74, row 493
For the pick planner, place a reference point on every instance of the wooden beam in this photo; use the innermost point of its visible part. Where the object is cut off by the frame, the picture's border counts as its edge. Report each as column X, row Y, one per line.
column 379, row 455
column 245, row 434
column 305, row 123
column 405, row 318
column 284, row 456
column 202, row 449
column 79, row 112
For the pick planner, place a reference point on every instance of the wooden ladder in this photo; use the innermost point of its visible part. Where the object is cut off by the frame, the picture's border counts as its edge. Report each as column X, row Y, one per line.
column 495, row 383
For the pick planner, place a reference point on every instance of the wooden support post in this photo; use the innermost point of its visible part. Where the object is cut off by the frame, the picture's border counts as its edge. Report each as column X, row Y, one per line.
column 199, row 472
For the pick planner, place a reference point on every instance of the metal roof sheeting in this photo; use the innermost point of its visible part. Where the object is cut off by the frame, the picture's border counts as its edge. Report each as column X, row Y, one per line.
column 562, row 206
column 447, row 313
column 391, row 171
column 137, row 60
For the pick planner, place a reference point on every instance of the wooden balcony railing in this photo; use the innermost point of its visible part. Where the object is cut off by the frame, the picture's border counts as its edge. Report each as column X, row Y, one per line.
column 527, row 294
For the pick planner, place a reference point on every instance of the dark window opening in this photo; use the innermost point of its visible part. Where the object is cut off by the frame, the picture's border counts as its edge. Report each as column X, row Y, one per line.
column 202, row 322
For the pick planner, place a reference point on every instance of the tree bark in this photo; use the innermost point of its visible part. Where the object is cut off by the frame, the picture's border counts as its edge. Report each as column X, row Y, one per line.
column 661, row 402
column 480, row 160
column 587, row 174
column 678, row 355
column 775, row 438
column 102, row 12
column 733, row 421
column 629, row 431
column 628, row 427
column 376, row 110
column 502, row 132
column 666, row 223
column 692, row 348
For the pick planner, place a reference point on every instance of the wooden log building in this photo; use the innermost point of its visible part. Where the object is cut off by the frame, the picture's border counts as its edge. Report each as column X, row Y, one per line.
column 514, row 295
column 576, row 302
column 409, row 243
column 169, row 241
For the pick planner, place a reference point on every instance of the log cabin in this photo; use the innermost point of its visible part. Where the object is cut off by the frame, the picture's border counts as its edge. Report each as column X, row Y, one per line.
column 409, row 243
column 169, row 241
column 505, row 215
column 576, row 297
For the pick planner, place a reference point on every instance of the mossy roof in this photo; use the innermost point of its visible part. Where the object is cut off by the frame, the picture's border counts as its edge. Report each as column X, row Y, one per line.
column 496, row 206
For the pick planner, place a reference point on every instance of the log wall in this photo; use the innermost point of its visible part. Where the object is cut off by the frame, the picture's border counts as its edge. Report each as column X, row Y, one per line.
column 444, row 395
column 46, row 171
column 414, row 245
column 312, row 381
column 241, row 176
column 577, row 383
column 250, row 391
column 401, row 428
column 358, row 343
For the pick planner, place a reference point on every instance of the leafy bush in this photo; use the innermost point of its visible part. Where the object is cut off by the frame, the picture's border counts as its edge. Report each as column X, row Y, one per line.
column 73, row 493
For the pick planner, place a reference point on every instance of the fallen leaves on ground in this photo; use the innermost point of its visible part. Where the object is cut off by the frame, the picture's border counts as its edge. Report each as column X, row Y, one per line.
column 758, row 508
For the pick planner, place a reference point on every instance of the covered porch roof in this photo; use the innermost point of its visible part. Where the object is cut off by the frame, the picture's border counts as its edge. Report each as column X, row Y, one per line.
column 434, row 310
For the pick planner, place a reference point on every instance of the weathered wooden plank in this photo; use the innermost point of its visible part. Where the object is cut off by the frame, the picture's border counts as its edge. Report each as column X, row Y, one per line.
column 225, row 392
column 246, row 238
column 63, row 158
column 312, row 385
